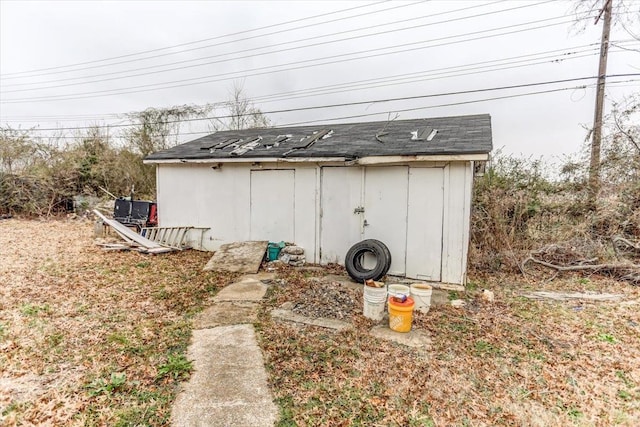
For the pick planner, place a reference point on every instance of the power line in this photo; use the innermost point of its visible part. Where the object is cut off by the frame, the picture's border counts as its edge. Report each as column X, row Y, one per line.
column 422, row 77
column 357, row 85
column 340, row 88
column 443, row 105
column 447, row 105
column 371, row 114
column 451, row 104
column 239, row 40
column 61, row 117
column 226, row 42
column 208, row 39
column 343, row 87
column 208, row 132
column 179, row 83
column 565, row 54
column 418, row 76
column 618, row 83
column 347, row 104
column 264, row 47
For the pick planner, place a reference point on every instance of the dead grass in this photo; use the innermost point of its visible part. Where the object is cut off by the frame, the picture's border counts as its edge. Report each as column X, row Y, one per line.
column 511, row 362
column 94, row 338
column 84, row 333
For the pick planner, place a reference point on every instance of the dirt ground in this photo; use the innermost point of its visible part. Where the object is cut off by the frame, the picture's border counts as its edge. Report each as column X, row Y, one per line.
column 97, row 338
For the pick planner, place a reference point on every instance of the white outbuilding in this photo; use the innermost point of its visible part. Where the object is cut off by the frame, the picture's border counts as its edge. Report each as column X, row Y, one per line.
column 407, row 183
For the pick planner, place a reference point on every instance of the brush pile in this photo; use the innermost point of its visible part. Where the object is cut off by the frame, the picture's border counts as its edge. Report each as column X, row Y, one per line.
column 551, row 260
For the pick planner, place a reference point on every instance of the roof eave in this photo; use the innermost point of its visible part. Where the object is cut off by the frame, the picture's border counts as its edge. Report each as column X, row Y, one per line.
column 368, row 160
column 380, row 160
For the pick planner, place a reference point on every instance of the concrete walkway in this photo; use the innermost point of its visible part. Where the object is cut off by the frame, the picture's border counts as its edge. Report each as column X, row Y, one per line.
column 228, row 386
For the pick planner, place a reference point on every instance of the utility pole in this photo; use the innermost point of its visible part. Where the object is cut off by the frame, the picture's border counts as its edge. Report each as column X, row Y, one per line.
column 594, row 166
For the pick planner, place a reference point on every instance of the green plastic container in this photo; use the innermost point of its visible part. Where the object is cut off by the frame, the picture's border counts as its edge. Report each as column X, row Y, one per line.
column 273, row 250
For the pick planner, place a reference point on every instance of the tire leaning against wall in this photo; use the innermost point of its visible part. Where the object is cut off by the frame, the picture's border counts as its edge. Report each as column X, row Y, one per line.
column 383, row 247
column 353, row 260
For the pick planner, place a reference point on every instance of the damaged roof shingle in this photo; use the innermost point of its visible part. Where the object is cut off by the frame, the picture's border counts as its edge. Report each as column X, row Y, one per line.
column 431, row 136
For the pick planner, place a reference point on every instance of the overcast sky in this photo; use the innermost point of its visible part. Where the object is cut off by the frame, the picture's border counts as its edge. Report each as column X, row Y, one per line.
column 286, row 48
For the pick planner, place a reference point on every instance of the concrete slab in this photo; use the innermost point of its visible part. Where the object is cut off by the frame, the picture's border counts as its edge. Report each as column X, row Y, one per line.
column 290, row 316
column 417, row 338
column 227, row 313
column 238, row 257
column 246, row 290
column 229, row 384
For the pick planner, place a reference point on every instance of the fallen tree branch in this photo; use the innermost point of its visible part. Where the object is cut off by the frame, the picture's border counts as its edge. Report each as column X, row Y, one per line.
column 624, row 271
column 566, row 296
column 619, row 243
column 593, row 267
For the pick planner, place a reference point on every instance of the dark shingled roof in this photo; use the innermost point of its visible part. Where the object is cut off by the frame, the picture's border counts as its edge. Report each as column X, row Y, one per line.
column 456, row 135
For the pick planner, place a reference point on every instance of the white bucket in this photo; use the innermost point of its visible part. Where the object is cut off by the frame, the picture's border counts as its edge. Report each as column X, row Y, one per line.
column 421, row 294
column 374, row 300
column 398, row 291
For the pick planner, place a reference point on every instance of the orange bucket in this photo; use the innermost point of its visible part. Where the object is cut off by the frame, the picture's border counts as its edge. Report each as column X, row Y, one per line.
column 400, row 314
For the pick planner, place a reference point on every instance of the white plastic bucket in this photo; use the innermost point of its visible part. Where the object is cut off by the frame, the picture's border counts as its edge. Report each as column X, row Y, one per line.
column 374, row 300
column 398, row 291
column 421, row 294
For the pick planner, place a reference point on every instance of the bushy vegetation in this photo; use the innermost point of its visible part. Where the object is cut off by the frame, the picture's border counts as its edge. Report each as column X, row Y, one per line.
column 41, row 177
column 521, row 204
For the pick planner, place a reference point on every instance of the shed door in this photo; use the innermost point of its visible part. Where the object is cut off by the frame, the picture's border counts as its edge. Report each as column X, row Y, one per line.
column 340, row 227
column 272, row 205
column 385, row 211
column 426, row 207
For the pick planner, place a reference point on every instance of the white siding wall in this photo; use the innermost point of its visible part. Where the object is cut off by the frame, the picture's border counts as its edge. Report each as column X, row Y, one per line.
column 197, row 195
column 457, row 214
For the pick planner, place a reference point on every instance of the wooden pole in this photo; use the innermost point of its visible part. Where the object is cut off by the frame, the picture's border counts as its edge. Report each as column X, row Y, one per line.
column 594, row 166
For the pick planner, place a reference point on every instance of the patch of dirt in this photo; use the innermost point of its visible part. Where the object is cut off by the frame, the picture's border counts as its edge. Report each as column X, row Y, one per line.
column 330, row 300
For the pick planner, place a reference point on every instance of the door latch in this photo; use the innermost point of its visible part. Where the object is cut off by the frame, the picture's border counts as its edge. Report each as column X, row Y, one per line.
column 359, row 209
column 365, row 223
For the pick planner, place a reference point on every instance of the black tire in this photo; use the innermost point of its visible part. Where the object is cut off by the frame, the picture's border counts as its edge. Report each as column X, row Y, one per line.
column 353, row 260
column 382, row 246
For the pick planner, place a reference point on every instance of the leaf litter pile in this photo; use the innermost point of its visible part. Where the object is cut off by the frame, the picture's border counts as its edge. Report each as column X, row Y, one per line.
column 95, row 338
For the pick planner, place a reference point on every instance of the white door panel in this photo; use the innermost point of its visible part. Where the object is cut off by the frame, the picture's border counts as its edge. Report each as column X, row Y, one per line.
column 426, row 206
column 385, row 206
column 340, row 227
column 272, row 205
